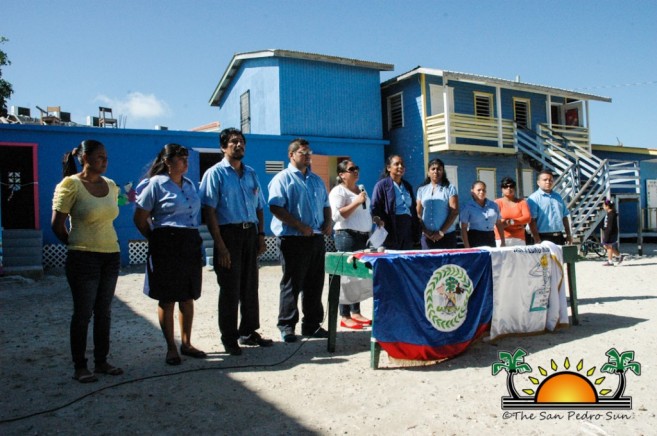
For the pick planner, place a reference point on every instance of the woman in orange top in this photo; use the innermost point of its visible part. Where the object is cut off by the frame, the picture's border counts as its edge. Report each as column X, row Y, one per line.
column 515, row 214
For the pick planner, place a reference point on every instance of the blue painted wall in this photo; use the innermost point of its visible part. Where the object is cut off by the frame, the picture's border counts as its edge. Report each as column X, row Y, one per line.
column 130, row 153
column 537, row 104
column 261, row 78
column 301, row 98
column 647, row 169
column 505, row 166
column 330, row 100
column 406, row 141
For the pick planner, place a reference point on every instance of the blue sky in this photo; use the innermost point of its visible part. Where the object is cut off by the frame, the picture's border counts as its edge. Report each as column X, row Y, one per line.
column 158, row 62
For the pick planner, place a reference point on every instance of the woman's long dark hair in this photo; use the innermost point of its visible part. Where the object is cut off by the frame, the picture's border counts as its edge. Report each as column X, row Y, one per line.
column 385, row 173
column 169, row 151
column 87, row 146
column 444, row 181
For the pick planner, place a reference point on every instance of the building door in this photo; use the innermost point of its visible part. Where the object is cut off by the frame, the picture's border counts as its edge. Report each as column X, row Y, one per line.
column 206, row 159
column 574, row 114
column 18, row 194
column 437, row 96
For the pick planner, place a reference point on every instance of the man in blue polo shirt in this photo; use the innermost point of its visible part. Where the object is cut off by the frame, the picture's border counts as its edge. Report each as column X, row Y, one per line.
column 549, row 213
column 302, row 216
column 233, row 209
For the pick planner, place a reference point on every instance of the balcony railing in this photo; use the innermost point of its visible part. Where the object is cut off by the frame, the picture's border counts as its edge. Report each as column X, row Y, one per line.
column 577, row 135
column 486, row 131
column 468, row 127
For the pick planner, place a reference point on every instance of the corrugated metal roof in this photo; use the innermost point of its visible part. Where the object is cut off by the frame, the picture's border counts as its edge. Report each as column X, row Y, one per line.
column 238, row 58
column 487, row 80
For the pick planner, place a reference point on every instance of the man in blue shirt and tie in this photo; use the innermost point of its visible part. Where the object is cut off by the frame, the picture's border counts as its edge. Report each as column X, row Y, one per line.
column 549, row 213
column 233, row 209
column 302, row 217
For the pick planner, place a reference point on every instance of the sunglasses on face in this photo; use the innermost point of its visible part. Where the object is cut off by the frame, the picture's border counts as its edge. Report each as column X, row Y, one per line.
column 305, row 152
column 509, row 186
column 353, row 169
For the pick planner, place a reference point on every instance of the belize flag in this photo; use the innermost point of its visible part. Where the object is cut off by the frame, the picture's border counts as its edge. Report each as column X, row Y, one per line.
column 430, row 305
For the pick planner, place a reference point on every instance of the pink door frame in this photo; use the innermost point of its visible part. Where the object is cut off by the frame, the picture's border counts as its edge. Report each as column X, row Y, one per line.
column 34, row 147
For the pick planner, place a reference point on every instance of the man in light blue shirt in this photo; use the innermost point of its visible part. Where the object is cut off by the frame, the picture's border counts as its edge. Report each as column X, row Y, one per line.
column 233, row 209
column 302, row 217
column 549, row 213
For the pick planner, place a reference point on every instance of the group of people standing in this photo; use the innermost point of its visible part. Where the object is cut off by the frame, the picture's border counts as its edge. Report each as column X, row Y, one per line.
column 430, row 216
column 230, row 197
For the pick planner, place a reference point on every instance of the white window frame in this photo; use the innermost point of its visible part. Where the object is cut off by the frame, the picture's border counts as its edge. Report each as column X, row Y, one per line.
column 245, row 112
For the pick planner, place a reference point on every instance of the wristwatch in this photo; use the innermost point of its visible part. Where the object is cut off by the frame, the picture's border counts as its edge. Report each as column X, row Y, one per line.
column 440, row 232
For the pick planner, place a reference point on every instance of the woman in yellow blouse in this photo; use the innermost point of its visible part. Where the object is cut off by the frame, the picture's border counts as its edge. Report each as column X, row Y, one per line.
column 89, row 201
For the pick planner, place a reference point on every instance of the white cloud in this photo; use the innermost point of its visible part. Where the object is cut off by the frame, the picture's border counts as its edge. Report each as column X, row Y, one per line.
column 136, row 106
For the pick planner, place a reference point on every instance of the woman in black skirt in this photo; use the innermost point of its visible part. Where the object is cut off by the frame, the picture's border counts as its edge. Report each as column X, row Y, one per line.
column 479, row 217
column 174, row 267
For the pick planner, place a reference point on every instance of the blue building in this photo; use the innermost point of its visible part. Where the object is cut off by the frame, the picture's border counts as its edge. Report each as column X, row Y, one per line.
column 325, row 99
column 486, row 128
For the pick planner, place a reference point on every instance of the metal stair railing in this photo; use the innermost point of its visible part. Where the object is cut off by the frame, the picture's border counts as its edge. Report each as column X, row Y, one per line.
column 624, row 176
column 586, row 205
column 583, row 179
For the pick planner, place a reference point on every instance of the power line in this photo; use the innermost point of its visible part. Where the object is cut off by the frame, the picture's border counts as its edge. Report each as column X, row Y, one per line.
column 623, row 85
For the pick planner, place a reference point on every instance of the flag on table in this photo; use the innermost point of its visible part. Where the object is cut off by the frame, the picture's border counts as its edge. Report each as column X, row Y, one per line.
column 430, row 305
column 529, row 293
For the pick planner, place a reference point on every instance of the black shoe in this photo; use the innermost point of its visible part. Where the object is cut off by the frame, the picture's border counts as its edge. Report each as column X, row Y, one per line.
column 233, row 349
column 318, row 333
column 287, row 334
column 254, row 339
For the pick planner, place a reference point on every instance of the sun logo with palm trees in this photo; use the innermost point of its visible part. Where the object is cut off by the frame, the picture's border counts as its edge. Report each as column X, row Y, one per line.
column 572, row 387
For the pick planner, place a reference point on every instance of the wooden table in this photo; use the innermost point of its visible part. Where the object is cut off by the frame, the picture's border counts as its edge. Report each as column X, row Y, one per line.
column 339, row 264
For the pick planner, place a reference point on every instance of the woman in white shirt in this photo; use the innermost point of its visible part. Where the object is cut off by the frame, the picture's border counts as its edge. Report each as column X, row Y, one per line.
column 350, row 209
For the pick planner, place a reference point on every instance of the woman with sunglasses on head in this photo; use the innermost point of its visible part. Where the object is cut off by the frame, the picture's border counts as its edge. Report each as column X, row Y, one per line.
column 90, row 202
column 478, row 218
column 437, row 207
column 393, row 206
column 515, row 215
column 353, row 222
column 167, row 214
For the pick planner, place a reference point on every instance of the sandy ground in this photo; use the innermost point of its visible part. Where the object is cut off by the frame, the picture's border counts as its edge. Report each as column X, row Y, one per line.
column 300, row 388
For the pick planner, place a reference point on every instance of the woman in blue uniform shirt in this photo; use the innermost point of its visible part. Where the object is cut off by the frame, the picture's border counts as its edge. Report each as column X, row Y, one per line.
column 479, row 217
column 437, row 207
column 174, row 266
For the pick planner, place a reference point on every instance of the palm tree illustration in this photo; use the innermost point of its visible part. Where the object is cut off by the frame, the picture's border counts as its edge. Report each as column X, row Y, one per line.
column 513, row 364
column 618, row 364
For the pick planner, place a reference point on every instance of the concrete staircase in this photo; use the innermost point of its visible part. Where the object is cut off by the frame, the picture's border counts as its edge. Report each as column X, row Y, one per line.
column 22, row 253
